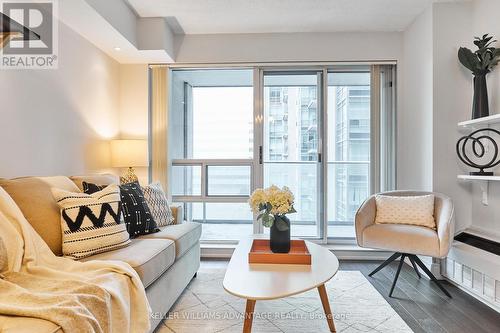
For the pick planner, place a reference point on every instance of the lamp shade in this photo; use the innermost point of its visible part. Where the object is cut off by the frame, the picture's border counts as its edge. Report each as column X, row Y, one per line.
column 129, row 153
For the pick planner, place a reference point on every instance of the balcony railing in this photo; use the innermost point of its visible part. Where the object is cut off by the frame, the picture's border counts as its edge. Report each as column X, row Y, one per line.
column 195, row 180
column 204, row 184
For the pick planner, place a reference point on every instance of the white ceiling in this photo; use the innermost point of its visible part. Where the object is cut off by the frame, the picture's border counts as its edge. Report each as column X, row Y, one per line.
column 281, row 16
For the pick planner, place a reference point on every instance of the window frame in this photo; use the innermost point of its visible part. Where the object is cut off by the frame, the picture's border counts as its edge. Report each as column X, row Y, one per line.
column 387, row 175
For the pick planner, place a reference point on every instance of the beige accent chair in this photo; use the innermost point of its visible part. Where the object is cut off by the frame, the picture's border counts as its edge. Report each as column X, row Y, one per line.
column 407, row 241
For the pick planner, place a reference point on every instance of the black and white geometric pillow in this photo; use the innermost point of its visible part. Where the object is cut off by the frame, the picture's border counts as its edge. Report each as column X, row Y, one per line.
column 136, row 211
column 158, row 204
column 91, row 223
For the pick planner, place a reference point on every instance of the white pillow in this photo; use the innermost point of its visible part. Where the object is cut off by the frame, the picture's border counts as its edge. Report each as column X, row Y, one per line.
column 91, row 223
column 414, row 210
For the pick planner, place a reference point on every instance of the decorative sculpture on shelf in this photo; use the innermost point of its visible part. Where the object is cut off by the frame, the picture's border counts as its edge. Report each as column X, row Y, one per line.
column 479, row 146
column 480, row 63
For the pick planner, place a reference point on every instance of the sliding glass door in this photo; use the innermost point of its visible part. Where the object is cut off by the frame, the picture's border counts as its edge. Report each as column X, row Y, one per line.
column 348, row 143
column 291, row 139
column 326, row 132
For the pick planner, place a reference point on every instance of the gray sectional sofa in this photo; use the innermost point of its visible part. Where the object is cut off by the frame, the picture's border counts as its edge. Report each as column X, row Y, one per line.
column 165, row 261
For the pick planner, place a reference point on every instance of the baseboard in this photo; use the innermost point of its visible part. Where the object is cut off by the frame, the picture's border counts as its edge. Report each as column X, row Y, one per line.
column 211, row 251
column 436, row 268
column 354, row 252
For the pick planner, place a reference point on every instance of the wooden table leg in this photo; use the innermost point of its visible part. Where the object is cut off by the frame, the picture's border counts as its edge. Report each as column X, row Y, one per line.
column 247, row 326
column 326, row 307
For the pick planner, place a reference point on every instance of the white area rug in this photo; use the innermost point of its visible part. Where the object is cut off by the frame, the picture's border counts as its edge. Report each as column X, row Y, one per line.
column 205, row 307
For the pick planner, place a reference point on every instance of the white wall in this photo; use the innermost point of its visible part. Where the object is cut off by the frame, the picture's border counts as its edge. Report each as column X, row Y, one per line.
column 289, row 47
column 119, row 14
column 133, row 102
column 486, row 20
column 452, row 103
column 437, row 94
column 59, row 121
column 414, row 114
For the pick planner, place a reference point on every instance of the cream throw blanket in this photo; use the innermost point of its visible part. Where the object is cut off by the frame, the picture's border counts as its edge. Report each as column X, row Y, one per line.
column 93, row 296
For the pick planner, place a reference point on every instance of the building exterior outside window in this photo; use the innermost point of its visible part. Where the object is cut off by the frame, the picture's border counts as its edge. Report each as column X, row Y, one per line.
column 292, row 136
column 352, row 143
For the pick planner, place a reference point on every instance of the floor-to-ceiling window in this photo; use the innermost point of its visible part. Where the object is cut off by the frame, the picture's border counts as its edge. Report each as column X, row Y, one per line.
column 325, row 132
column 212, row 149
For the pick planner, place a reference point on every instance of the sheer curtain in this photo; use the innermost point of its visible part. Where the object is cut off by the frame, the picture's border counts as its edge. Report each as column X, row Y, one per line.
column 158, row 123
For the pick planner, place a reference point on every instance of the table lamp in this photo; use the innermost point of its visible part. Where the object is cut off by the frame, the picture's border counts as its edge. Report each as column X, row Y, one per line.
column 129, row 154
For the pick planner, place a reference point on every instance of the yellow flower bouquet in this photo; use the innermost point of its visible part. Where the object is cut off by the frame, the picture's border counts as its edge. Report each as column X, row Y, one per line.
column 272, row 204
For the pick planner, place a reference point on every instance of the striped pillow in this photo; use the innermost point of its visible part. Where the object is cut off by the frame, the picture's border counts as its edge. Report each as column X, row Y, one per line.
column 91, row 223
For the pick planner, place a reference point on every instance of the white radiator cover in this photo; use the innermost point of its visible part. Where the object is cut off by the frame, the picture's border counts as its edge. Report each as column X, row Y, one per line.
column 475, row 271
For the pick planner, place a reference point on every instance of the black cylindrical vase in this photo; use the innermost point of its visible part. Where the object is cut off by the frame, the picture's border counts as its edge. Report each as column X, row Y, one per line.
column 280, row 240
column 480, row 106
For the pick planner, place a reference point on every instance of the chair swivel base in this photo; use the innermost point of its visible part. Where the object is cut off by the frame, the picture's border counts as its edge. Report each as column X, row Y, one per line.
column 414, row 261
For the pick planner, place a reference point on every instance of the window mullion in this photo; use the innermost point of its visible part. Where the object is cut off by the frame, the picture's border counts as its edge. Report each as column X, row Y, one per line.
column 258, row 138
column 324, row 152
column 375, row 129
column 204, row 180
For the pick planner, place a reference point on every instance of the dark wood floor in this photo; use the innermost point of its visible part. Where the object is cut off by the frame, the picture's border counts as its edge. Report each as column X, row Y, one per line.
column 423, row 306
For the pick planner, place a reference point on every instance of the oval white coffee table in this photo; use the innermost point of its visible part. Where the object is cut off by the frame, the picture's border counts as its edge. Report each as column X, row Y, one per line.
column 271, row 281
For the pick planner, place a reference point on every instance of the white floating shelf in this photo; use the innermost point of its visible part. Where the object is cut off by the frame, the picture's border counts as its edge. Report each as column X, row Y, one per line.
column 483, row 183
column 470, row 177
column 476, row 123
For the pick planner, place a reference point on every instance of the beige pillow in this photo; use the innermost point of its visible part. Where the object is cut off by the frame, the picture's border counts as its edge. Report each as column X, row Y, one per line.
column 103, row 179
column 413, row 210
column 34, row 197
